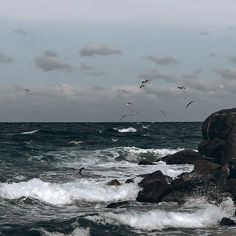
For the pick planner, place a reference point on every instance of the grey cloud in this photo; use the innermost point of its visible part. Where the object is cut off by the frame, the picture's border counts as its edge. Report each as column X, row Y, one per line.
column 20, row 31
column 50, row 61
column 232, row 59
column 90, row 70
column 158, row 75
column 162, row 60
column 6, row 59
column 190, row 76
column 93, row 49
column 213, row 55
column 225, row 73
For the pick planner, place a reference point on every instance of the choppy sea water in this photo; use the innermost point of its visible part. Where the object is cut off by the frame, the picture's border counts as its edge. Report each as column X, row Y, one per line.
column 43, row 193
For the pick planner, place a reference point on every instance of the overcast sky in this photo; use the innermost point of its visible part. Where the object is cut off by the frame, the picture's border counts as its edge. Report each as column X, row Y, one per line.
column 84, row 60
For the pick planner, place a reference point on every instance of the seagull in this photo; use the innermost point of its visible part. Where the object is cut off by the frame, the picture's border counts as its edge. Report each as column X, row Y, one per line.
column 125, row 116
column 28, row 142
column 146, row 81
column 141, row 86
column 181, row 87
column 164, row 113
column 189, row 104
column 27, row 91
column 128, row 103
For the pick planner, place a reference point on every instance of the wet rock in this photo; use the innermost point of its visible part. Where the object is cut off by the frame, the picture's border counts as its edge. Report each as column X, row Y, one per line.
column 213, row 149
column 204, row 167
column 129, row 181
column 114, row 182
column 117, row 204
column 230, row 186
column 152, row 178
column 183, row 157
column 227, row 221
column 185, row 183
column 153, row 192
column 174, row 197
column 155, row 187
column 144, row 162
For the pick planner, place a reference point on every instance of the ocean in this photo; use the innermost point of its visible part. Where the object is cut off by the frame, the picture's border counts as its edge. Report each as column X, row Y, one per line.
column 43, row 193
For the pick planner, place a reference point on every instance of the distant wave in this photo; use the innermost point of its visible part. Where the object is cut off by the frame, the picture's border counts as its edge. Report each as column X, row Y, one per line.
column 127, row 130
column 207, row 216
column 76, row 232
column 57, row 194
column 31, row 132
column 75, row 142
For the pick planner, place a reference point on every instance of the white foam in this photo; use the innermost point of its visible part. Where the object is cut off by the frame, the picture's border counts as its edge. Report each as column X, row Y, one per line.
column 127, row 130
column 30, row 132
column 207, row 216
column 56, row 194
column 76, row 232
column 75, row 142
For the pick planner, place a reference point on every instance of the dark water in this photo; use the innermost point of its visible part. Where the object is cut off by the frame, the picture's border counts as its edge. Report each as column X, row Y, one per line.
column 43, row 193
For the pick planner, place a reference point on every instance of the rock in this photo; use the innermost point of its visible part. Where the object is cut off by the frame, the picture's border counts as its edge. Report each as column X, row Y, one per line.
column 230, row 186
column 227, row 221
column 129, row 181
column 117, row 204
column 152, row 178
column 184, row 183
column 213, row 149
column 154, row 192
column 155, row 187
column 174, row 197
column 114, row 182
column 144, row 162
column 218, row 124
column 183, row 157
column 204, row 167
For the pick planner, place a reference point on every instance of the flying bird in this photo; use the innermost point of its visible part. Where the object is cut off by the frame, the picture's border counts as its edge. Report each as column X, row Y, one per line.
column 125, row 116
column 29, row 142
column 181, row 87
column 189, row 104
column 141, row 86
column 128, row 104
column 146, row 81
column 27, row 91
column 164, row 113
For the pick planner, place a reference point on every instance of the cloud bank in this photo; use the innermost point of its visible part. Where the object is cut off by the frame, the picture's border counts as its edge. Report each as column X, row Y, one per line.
column 50, row 61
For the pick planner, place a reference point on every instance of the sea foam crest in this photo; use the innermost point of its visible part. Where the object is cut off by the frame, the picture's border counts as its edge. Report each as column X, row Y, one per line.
column 127, row 130
column 57, row 194
column 31, row 132
column 208, row 216
column 76, row 232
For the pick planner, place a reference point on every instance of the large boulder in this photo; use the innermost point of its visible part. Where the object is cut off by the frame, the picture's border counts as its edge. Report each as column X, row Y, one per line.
column 155, row 187
column 204, row 167
column 183, row 157
column 219, row 141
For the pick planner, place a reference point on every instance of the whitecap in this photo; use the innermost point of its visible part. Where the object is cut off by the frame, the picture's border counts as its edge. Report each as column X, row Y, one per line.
column 208, row 215
column 31, row 132
column 57, row 194
column 76, row 232
column 127, row 130
column 75, row 142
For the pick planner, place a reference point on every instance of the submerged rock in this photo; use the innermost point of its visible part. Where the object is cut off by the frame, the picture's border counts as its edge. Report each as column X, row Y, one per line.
column 183, row 157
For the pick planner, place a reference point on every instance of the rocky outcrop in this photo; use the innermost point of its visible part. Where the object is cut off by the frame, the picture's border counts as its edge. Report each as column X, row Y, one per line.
column 219, row 141
column 114, row 182
column 214, row 173
column 183, row 157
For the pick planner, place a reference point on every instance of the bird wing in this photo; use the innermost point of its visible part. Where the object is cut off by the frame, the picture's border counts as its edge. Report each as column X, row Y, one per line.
column 189, row 104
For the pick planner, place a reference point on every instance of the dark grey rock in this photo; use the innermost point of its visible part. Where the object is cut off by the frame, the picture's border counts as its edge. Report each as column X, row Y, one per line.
column 183, row 157
column 227, row 221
